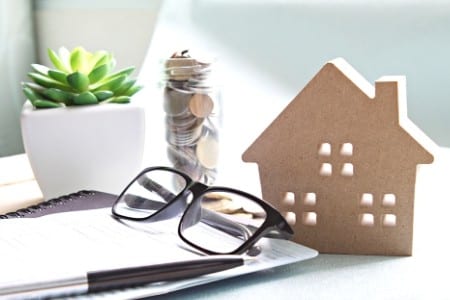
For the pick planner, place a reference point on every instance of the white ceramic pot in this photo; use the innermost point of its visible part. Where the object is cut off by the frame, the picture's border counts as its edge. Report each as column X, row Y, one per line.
column 98, row 147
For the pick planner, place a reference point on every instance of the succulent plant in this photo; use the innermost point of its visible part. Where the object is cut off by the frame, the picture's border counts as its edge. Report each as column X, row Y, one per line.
column 79, row 77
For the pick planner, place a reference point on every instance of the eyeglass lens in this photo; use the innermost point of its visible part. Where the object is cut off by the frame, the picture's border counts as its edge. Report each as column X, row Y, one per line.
column 149, row 193
column 220, row 221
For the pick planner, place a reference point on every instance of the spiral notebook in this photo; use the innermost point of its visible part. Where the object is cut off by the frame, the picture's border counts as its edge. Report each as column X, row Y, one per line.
column 81, row 200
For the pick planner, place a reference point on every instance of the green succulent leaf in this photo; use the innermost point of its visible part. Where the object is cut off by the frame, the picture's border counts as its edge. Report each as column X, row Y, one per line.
column 103, row 95
column 58, row 76
column 59, row 95
column 78, row 81
column 112, row 84
column 124, row 87
column 40, row 69
column 85, row 98
column 46, row 81
column 30, row 94
column 101, row 58
column 35, row 87
column 57, row 62
column 132, row 90
column 126, row 72
column 79, row 60
column 119, row 99
column 94, row 60
column 40, row 103
column 99, row 73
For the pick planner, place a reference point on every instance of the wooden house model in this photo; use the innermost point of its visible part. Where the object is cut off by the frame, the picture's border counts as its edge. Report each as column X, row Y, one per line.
column 340, row 162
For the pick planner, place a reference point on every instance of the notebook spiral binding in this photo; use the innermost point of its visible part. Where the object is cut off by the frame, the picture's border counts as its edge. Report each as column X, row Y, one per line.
column 23, row 212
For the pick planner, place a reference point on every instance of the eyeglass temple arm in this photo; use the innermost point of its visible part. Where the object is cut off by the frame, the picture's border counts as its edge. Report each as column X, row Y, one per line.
column 281, row 230
column 214, row 219
column 156, row 187
column 197, row 213
column 138, row 202
column 135, row 201
column 275, row 232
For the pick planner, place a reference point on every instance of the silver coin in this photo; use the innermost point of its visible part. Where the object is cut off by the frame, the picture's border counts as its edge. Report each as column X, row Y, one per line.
column 183, row 122
column 186, row 138
column 175, row 103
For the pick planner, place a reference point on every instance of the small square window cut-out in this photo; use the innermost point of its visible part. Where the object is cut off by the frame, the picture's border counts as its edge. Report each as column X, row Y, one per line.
column 289, row 198
column 325, row 149
column 389, row 220
column 291, row 218
column 366, row 220
column 309, row 199
column 326, row 169
column 309, row 218
column 347, row 149
column 347, row 169
column 366, row 200
column 389, row 200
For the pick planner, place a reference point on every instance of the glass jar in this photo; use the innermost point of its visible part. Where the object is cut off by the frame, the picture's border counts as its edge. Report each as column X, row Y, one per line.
column 193, row 116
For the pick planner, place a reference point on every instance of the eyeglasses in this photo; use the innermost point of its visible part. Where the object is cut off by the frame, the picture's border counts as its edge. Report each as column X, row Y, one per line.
column 215, row 220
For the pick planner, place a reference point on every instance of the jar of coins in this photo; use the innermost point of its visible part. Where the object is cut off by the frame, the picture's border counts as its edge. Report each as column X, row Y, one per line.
column 192, row 106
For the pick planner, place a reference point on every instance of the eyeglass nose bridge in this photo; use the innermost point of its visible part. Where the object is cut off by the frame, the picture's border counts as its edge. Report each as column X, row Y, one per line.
column 197, row 188
column 179, row 204
column 171, row 210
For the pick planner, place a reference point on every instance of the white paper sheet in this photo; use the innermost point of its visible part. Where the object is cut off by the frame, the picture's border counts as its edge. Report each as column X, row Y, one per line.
column 74, row 243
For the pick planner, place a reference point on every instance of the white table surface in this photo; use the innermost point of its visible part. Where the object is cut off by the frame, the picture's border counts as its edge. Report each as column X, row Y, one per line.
column 18, row 188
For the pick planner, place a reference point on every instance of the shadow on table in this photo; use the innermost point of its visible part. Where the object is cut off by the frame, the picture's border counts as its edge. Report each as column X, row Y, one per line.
column 324, row 263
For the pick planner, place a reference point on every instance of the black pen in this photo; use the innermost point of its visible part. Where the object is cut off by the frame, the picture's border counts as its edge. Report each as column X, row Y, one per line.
column 122, row 278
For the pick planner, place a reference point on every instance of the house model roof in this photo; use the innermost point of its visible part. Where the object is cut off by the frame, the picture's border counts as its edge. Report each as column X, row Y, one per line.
column 340, row 162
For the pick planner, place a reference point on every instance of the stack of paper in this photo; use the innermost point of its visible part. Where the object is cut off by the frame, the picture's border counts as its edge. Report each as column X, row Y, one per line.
column 58, row 246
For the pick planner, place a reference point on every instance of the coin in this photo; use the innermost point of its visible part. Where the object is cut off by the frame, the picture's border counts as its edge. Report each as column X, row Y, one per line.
column 182, row 122
column 208, row 151
column 183, row 131
column 224, row 205
column 254, row 209
column 179, row 68
column 175, row 103
column 201, row 105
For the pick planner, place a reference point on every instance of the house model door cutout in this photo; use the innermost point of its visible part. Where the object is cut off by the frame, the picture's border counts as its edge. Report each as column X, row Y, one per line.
column 340, row 162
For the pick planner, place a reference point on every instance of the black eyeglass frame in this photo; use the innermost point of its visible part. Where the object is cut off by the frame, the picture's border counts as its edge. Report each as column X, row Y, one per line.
column 274, row 224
